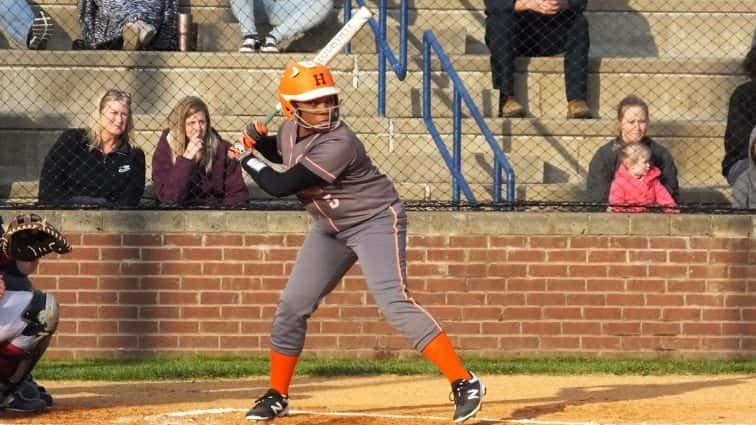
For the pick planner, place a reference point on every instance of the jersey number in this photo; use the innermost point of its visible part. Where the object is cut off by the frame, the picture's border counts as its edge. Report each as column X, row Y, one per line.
column 332, row 202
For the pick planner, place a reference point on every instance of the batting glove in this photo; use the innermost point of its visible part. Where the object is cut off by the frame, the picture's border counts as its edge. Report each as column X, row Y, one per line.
column 253, row 133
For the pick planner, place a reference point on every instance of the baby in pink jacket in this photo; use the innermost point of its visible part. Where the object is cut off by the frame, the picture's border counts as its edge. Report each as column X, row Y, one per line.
column 636, row 182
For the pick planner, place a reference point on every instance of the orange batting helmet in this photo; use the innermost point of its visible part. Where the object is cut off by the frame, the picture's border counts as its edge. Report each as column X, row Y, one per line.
column 303, row 81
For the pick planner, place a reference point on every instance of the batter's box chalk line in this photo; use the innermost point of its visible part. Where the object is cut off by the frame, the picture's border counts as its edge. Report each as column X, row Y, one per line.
column 476, row 420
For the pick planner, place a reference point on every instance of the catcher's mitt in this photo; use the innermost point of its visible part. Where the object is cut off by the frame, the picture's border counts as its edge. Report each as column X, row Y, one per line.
column 29, row 236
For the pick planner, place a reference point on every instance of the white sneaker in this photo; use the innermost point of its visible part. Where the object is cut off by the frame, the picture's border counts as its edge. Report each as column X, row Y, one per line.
column 137, row 35
column 146, row 33
column 250, row 44
column 40, row 31
column 270, row 45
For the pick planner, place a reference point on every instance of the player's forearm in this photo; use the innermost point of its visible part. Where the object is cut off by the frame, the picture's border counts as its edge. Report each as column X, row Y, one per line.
column 278, row 184
column 267, row 146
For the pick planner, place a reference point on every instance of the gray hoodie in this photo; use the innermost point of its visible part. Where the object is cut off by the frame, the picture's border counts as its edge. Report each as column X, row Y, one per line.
column 744, row 189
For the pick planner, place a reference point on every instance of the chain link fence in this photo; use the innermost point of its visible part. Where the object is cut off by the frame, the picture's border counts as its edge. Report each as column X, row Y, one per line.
column 547, row 74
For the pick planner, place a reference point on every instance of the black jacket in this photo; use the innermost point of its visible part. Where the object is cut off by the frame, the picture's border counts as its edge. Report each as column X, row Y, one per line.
column 604, row 165
column 74, row 170
column 741, row 118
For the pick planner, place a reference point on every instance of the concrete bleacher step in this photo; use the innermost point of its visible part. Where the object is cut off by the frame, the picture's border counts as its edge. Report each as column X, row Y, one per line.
column 411, row 158
column 236, row 84
column 610, row 5
column 226, row 37
column 647, row 28
column 565, row 159
column 24, row 192
column 637, row 46
column 550, row 152
column 218, row 31
column 554, row 193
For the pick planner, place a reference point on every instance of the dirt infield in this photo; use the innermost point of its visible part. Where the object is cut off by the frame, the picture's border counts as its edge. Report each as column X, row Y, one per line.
column 409, row 400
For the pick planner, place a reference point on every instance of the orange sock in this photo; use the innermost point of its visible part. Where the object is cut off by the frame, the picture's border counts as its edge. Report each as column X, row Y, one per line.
column 281, row 371
column 441, row 353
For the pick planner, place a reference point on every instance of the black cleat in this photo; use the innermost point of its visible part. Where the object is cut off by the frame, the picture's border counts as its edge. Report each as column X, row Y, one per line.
column 24, row 399
column 43, row 394
column 468, row 397
column 270, row 406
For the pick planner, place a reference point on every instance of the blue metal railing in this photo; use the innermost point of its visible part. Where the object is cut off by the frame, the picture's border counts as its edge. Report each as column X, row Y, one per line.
column 385, row 53
column 454, row 162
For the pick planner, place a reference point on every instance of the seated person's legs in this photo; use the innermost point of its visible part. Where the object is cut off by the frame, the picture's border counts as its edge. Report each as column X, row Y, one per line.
column 576, row 46
column 132, row 25
column 291, row 18
column 533, row 34
column 565, row 32
column 244, row 11
column 22, row 27
column 501, row 39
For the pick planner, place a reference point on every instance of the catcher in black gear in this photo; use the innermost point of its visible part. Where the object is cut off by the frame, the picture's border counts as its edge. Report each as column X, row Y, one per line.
column 28, row 316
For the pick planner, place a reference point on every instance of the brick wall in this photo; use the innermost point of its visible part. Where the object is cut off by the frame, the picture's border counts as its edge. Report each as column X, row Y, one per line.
column 181, row 282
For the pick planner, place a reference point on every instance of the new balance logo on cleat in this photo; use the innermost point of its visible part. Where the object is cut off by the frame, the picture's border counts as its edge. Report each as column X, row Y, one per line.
column 467, row 395
column 270, row 406
column 277, row 408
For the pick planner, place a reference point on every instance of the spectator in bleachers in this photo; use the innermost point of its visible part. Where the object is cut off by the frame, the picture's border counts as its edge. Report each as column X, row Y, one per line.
column 744, row 189
column 22, row 27
column 130, row 25
column 538, row 28
column 99, row 165
column 741, row 118
column 289, row 18
column 191, row 164
column 632, row 114
column 636, row 183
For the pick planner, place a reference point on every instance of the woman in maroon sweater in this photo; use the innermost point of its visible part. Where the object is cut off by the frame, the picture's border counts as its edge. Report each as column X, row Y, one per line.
column 191, row 164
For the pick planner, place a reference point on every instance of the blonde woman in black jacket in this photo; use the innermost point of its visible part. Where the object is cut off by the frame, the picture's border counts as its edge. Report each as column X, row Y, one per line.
column 98, row 166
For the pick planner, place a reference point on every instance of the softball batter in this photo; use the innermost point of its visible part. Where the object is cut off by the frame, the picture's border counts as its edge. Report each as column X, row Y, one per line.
column 357, row 214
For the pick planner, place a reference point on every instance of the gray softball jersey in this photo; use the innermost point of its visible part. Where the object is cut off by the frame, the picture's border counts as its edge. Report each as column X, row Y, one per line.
column 357, row 216
column 356, row 189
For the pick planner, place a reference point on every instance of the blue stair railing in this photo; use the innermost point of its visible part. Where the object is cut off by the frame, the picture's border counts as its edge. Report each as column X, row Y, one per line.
column 454, row 161
column 399, row 66
column 385, row 53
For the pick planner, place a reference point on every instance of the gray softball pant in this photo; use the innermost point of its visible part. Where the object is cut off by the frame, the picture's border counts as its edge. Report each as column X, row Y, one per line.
column 379, row 244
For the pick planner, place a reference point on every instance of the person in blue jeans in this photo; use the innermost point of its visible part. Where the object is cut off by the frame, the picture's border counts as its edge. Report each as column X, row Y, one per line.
column 289, row 18
column 22, row 26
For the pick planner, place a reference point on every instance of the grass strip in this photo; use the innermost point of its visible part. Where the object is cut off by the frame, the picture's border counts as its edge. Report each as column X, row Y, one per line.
column 237, row 367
